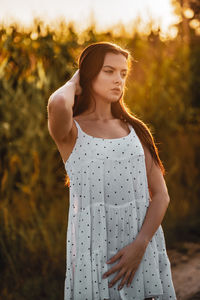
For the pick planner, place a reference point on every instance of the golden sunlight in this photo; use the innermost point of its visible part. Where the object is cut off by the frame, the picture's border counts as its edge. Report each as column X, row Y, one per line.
column 105, row 14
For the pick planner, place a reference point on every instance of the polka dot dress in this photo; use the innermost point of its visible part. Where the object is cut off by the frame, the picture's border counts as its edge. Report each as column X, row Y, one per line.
column 109, row 198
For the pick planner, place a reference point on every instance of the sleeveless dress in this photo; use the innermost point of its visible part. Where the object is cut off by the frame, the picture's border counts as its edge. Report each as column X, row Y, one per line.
column 109, row 198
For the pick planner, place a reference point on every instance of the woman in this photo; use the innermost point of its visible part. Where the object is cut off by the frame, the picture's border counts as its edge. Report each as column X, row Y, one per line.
column 115, row 242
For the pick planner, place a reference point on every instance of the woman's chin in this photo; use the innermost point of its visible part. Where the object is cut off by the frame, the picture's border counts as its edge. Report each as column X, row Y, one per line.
column 116, row 99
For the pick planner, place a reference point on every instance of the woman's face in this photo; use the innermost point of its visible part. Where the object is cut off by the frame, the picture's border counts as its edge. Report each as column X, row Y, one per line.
column 112, row 75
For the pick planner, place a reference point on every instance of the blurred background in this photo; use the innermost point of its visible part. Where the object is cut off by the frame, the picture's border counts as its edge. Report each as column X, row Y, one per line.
column 40, row 42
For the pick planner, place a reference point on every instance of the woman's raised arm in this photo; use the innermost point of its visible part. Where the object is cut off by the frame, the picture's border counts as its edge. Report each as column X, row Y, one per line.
column 59, row 108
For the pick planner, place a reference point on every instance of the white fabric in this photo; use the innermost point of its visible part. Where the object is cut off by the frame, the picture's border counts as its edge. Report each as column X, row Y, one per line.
column 109, row 198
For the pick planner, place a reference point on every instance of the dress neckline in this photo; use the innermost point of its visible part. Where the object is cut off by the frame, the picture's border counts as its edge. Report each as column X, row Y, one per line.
column 105, row 139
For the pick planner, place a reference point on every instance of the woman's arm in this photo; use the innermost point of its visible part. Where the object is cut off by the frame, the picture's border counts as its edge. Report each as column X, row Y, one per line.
column 159, row 200
column 60, row 104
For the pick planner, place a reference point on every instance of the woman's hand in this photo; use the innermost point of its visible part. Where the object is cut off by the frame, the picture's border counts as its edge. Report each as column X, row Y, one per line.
column 76, row 79
column 131, row 256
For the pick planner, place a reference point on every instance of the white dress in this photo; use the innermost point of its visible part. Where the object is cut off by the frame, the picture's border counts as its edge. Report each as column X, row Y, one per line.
column 109, row 198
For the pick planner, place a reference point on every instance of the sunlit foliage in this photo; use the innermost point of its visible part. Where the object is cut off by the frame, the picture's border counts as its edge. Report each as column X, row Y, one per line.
column 162, row 90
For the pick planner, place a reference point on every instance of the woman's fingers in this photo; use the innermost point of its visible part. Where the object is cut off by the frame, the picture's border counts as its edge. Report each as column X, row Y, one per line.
column 78, row 90
column 115, row 257
column 112, row 270
column 117, row 277
column 78, row 87
column 124, row 280
column 130, row 278
column 76, row 79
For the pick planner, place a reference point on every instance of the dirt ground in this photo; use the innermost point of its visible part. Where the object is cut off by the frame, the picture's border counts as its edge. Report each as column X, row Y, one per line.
column 185, row 265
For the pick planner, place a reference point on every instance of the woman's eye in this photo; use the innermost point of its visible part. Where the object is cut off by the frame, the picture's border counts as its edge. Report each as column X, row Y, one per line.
column 124, row 74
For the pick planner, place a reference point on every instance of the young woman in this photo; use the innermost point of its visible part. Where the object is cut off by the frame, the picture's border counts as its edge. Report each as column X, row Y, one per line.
column 118, row 196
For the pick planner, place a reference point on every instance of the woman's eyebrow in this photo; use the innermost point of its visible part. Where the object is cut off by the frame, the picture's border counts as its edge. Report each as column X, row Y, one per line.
column 113, row 68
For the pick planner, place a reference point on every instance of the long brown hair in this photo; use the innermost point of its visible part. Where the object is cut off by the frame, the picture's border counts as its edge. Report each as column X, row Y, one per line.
column 90, row 63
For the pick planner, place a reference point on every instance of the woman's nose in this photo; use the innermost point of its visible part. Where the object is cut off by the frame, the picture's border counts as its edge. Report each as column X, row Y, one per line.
column 118, row 78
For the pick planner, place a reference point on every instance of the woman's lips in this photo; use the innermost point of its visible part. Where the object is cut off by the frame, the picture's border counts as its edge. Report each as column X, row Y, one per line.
column 116, row 90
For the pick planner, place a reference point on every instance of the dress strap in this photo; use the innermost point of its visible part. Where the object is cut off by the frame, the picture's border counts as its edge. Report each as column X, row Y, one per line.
column 77, row 123
column 129, row 126
column 78, row 127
